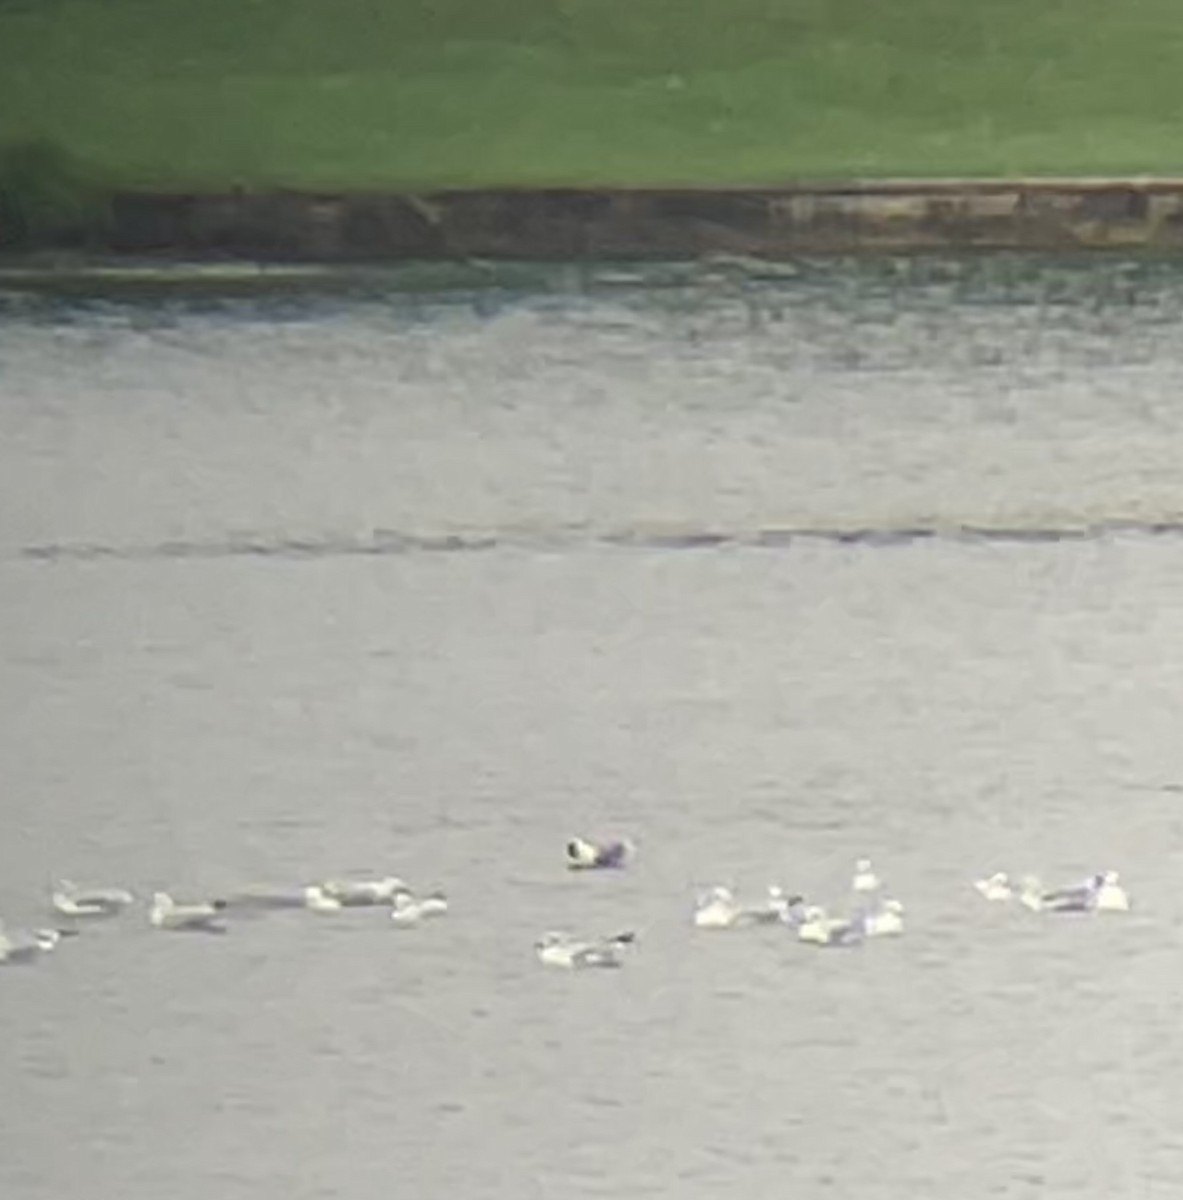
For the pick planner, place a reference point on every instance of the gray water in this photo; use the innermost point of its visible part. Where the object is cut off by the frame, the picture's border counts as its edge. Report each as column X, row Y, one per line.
column 426, row 574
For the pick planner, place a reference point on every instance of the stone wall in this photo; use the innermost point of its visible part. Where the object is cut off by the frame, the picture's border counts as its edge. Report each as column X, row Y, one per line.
column 562, row 223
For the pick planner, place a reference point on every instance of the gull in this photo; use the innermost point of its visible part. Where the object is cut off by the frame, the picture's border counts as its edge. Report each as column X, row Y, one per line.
column 793, row 909
column 887, row 919
column 996, row 887
column 585, row 855
column 24, row 947
column 1098, row 893
column 558, row 949
column 1109, row 895
column 865, row 879
column 717, row 908
column 406, row 910
column 820, row 929
column 198, row 916
column 782, row 907
column 355, row 893
column 72, row 901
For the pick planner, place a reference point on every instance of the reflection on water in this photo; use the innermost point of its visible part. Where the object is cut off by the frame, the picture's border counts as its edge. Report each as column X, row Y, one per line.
column 424, row 571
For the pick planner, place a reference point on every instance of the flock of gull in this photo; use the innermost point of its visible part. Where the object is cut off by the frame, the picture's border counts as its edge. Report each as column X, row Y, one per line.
column 873, row 912
column 79, row 904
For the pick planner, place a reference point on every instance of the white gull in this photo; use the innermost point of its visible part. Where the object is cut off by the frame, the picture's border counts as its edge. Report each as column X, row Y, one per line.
column 197, row 916
column 406, row 910
column 559, row 949
column 71, row 900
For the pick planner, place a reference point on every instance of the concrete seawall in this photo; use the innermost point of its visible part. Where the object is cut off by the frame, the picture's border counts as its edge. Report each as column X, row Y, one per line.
column 622, row 224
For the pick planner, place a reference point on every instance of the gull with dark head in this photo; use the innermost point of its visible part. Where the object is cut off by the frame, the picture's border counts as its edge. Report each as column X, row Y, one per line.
column 586, row 855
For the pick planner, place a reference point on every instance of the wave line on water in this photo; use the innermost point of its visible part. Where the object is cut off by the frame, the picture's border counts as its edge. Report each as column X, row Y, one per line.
column 382, row 542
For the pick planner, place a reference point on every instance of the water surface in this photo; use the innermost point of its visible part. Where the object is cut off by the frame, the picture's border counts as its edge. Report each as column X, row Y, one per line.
column 424, row 574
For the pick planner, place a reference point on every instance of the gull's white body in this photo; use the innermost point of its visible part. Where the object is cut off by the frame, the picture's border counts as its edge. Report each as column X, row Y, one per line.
column 355, row 893
column 886, row 920
column 556, row 949
column 996, row 888
column 166, row 913
column 72, row 901
column 865, row 880
column 406, row 910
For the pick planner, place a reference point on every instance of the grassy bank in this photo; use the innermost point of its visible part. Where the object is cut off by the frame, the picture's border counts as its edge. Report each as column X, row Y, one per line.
column 426, row 93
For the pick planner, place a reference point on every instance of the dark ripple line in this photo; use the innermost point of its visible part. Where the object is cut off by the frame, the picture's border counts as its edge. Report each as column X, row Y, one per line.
column 393, row 542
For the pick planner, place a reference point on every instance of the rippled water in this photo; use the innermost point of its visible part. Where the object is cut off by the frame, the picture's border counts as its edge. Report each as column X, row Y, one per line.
column 422, row 574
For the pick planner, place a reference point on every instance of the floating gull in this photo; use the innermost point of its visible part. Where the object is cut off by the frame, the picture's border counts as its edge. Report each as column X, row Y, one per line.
column 865, row 879
column 793, row 909
column 22, row 947
column 1110, row 896
column 886, row 919
column 556, row 949
column 406, row 910
column 355, row 893
column 996, row 887
column 820, row 929
column 199, row 916
column 1098, row 893
column 72, row 901
column 718, row 908
column 584, row 855
column 788, row 909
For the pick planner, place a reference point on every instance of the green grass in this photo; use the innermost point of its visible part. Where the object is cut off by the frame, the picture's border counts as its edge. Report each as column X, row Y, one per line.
column 429, row 93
